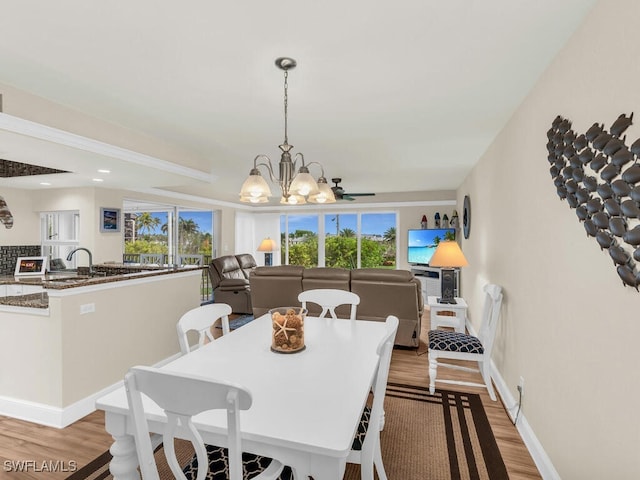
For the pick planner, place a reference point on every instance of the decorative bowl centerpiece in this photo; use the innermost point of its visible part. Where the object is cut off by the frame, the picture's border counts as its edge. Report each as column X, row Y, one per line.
column 287, row 335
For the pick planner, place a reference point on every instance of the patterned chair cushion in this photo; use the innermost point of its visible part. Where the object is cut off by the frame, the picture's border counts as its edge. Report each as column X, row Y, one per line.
column 252, row 465
column 454, row 342
column 362, row 429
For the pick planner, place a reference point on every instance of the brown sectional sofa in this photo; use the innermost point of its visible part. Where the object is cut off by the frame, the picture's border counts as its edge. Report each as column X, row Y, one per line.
column 382, row 292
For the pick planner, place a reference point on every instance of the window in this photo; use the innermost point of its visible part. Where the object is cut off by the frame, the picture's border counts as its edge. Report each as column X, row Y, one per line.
column 299, row 240
column 59, row 236
column 348, row 240
column 153, row 231
column 378, row 239
column 341, row 240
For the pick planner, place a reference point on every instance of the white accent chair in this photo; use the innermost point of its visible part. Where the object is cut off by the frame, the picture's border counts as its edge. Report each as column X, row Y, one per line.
column 329, row 299
column 366, row 446
column 444, row 344
column 201, row 319
column 181, row 397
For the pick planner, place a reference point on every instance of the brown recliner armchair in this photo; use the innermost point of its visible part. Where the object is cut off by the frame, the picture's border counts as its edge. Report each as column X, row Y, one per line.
column 230, row 281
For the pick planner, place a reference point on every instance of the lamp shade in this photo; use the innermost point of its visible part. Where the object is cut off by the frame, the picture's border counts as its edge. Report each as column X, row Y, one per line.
column 448, row 255
column 267, row 245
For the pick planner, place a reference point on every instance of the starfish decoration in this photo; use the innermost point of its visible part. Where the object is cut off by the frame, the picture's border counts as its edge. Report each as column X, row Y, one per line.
column 283, row 329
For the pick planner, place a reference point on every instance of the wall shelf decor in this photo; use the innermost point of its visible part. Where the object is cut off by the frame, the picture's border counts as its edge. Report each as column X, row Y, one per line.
column 599, row 176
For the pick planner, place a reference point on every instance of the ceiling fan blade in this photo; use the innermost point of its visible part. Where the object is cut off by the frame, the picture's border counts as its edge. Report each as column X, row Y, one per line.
column 340, row 194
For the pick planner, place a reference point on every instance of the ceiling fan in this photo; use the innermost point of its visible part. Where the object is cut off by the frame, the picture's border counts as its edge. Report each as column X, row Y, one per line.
column 340, row 194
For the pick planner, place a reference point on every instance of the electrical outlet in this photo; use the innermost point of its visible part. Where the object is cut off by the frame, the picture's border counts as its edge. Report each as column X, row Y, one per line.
column 521, row 386
column 87, row 308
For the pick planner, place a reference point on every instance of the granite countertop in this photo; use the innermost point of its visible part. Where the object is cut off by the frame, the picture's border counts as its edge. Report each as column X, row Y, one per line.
column 31, row 300
column 109, row 273
column 106, row 273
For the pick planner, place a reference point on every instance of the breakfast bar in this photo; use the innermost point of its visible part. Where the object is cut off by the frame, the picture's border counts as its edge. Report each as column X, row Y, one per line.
column 70, row 337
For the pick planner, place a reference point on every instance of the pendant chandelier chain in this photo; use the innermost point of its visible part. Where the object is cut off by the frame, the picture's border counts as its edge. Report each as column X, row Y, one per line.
column 297, row 184
column 286, row 104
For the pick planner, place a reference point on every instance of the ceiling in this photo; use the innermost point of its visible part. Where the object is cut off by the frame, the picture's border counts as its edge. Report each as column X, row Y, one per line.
column 393, row 97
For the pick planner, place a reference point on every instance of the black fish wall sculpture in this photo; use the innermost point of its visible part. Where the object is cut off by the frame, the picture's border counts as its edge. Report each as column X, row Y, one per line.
column 5, row 215
column 599, row 177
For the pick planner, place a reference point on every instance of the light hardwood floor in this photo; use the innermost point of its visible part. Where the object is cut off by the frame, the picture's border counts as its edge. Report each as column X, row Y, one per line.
column 86, row 438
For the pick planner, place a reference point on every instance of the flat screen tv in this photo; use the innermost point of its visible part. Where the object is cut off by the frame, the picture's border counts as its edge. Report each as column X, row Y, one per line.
column 422, row 243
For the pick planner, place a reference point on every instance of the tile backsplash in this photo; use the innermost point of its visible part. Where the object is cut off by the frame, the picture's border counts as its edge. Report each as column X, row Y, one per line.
column 10, row 253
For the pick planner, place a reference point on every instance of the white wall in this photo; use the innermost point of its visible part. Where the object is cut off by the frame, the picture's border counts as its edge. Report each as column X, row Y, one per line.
column 26, row 221
column 569, row 326
column 266, row 225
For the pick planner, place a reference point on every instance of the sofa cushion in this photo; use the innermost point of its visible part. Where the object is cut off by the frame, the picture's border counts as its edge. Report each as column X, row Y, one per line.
column 228, row 267
column 381, row 275
column 247, row 263
column 277, row 286
column 233, row 284
column 279, row 271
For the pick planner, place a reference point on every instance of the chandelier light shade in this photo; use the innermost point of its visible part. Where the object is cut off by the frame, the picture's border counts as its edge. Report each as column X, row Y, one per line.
column 448, row 256
column 296, row 184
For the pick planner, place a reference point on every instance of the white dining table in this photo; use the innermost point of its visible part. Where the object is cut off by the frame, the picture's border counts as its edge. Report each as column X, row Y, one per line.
column 306, row 405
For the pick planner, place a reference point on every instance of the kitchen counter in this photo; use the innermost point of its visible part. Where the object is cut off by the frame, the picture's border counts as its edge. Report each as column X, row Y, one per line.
column 68, row 337
column 30, row 300
column 65, row 280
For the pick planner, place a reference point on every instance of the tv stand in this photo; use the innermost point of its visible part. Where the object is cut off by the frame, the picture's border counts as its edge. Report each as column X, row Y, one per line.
column 431, row 280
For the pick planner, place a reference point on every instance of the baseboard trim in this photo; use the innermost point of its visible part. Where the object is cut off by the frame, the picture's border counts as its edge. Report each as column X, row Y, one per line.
column 535, row 448
column 57, row 417
column 540, row 457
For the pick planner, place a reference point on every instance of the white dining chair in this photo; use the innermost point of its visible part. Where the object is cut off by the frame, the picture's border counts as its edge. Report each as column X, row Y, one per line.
column 181, row 397
column 366, row 445
column 445, row 344
column 201, row 319
column 329, row 299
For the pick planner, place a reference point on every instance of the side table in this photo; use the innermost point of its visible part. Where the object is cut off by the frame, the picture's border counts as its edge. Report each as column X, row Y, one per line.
column 448, row 315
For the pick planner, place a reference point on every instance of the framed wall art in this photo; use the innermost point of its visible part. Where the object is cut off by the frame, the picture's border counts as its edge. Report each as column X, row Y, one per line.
column 109, row 220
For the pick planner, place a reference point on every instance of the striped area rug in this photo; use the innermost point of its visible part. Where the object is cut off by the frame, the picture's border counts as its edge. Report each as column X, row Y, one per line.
column 445, row 436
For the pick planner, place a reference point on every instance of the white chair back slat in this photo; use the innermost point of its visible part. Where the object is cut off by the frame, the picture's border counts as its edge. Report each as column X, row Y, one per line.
column 329, row 299
column 183, row 396
column 201, row 319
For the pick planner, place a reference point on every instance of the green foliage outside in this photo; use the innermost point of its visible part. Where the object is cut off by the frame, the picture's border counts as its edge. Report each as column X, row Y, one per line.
column 341, row 250
column 304, row 253
column 191, row 240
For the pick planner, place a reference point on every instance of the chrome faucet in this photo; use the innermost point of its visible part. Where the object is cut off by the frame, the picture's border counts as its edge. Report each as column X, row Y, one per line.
column 90, row 258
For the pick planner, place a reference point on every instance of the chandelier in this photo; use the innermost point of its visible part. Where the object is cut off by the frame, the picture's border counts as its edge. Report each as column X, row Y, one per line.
column 296, row 188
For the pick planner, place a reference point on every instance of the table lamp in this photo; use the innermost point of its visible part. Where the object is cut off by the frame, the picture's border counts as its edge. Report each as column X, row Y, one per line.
column 268, row 246
column 448, row 256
